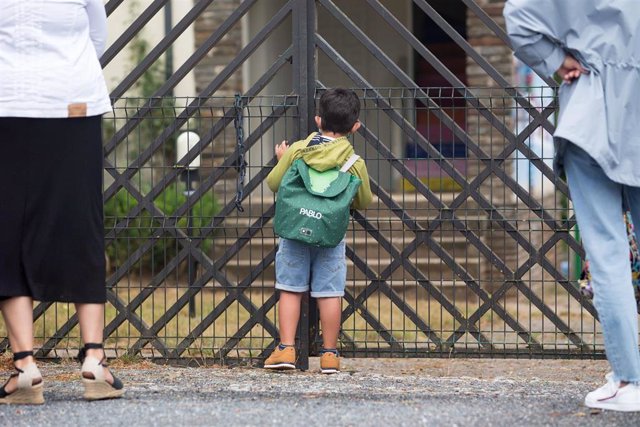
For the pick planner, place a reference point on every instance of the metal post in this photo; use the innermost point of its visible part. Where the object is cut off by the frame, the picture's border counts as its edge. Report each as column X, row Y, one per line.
column 168, row 25
column 304, row 79
column 193, row 265
column 190, row 176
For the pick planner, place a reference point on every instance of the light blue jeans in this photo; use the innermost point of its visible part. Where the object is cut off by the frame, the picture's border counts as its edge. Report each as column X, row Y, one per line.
column 598, row 205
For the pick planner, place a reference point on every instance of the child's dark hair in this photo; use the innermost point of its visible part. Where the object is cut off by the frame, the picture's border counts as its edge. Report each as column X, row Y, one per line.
column 339, row 110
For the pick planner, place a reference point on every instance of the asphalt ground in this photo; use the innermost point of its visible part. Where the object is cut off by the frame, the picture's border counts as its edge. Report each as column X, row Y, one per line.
column 376, row 392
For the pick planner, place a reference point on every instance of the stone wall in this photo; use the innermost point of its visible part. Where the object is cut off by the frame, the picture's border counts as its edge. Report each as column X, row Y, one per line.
column 490, row 46
column 205, row 72
column 489, row 92
column 490, row 139
column 223, row 52
column 498, row 54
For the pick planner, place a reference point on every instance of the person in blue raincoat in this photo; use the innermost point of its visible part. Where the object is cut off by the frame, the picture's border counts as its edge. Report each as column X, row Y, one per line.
column 594, row 46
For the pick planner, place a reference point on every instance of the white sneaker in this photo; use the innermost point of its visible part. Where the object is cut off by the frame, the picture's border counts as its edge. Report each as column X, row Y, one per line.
column 615, row 398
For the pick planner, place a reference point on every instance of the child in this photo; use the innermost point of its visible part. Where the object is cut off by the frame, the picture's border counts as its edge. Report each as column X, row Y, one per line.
column 300, row 266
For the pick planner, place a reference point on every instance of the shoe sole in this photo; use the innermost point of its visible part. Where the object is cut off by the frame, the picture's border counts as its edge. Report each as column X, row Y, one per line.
column 613, row 406
column 25, row 396
column 329, row 371
column 100, row 390
column 281, row 366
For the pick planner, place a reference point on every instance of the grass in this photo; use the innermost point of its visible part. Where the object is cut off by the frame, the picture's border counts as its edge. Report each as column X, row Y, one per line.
column 362, row 333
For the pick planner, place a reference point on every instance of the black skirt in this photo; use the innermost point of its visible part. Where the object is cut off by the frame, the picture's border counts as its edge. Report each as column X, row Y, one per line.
column 51, row 211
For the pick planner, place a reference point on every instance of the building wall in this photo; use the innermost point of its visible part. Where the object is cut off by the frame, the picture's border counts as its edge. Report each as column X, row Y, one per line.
column 152, row 33
column 255, row 20
column 492, row 142
column 492, row 48
column 488, row 45
column 496, row 52
column 205, row 72
column 224, row 51
column 499, row 55
column 374, row 72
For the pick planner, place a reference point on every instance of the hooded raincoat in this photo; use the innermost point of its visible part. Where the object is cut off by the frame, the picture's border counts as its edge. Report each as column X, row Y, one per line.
column 321, row 157
column 600, row 111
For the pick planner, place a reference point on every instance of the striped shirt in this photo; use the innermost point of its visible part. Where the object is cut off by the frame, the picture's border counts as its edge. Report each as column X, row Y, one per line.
column 319, row 139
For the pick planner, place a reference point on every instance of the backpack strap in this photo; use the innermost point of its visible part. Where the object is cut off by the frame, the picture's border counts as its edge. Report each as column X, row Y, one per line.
column 350, row 162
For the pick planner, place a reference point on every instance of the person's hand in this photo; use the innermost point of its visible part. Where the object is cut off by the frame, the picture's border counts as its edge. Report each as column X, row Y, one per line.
column 281, row 148
column 571, row 69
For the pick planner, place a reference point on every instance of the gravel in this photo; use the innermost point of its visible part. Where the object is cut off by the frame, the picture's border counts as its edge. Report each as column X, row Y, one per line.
column 368, row 392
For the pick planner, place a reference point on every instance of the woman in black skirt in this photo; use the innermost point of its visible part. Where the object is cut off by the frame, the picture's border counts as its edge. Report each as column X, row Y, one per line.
column 52, row 97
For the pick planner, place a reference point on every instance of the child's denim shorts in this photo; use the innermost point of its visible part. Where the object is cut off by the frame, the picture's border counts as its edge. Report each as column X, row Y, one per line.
column 299, row 265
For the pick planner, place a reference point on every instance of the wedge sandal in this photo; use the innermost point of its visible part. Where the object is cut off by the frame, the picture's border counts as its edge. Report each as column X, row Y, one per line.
column 96, row 386
column 29, row 391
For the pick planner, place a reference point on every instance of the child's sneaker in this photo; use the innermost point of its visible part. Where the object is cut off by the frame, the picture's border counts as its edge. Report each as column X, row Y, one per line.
column 283, row 357
column 329, row 362
column 615, row 398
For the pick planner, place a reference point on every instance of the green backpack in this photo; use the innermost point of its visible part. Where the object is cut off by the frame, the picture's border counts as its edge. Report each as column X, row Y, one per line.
column 313, row 207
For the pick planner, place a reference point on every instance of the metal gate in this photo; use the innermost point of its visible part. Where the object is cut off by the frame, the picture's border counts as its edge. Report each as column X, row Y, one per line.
column 455, row 258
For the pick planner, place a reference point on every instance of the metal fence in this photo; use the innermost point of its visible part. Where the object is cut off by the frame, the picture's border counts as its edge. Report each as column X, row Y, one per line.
column 456, row 256
column 469, row 248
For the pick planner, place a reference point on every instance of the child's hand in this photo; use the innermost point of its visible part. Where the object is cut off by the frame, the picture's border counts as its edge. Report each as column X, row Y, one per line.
column 281, row 148
column 571, row 69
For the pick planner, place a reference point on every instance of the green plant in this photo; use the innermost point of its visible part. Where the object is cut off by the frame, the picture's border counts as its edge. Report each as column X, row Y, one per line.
column 160, row 115
column 139, row 229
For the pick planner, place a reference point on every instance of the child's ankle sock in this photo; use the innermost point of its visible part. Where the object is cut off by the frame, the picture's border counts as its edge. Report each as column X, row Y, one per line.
column 283, row 346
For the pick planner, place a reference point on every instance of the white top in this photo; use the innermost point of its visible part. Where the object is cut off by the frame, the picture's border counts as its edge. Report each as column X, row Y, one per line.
column 49, row 52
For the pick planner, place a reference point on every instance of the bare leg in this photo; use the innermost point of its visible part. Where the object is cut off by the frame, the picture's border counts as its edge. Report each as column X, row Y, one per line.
column 18, row 318
column 288, row 316
column 330, row 316
column 91, row 318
